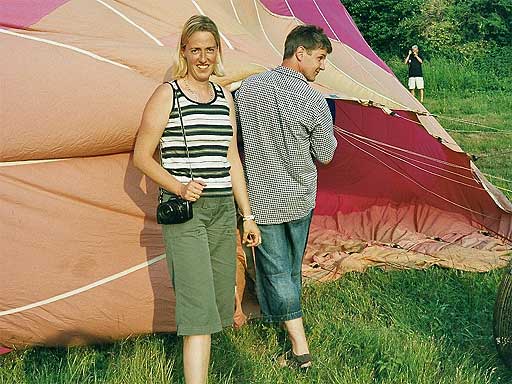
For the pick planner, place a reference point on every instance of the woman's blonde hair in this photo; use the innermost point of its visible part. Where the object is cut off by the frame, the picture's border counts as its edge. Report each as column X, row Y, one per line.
column 197, row 23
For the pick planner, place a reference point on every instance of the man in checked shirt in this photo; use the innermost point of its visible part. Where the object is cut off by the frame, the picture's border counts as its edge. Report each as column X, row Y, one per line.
column 286, row 125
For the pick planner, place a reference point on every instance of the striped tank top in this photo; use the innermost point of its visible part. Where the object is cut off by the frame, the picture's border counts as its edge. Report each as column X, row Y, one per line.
column 209, row 132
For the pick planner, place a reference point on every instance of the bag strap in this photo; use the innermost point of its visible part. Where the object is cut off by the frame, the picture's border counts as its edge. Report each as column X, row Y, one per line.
column 176, row 98
column 184, row 135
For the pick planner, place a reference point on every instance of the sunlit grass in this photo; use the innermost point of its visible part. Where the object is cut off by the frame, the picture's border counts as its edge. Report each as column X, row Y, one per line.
column 430, row 326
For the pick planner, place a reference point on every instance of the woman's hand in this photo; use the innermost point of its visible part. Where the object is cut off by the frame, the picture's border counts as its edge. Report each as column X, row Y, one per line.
column 192, row 190
column 251, row 236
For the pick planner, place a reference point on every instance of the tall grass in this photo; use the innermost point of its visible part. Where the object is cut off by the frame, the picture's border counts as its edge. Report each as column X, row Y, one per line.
column 490, row 73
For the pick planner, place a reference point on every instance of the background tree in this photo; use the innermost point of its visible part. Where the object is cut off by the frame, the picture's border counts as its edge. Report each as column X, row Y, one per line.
column 448, row 28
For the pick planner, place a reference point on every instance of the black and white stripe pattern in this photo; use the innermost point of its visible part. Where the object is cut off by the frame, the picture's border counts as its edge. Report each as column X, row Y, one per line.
column 209, row 132
column 286, row 124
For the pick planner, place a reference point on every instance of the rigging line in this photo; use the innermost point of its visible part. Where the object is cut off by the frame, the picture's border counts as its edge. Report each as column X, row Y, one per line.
column 339, row 69
column 469, row 122
column 129, row 21
column 372, row 103
column 67, row 46
column 402, row 157
column 497, row 201
column 494, row 154
column 504, row 189
column 421, row 186
column 236, row 13
column 85, row 288
column 416, row 166
column 474, row 158
column 497, row 177
column 453, row 130
column 431, row 165
column 263, row 29
column 405, row 118
column 228, row 43
column 404, row 150
column 468, row 131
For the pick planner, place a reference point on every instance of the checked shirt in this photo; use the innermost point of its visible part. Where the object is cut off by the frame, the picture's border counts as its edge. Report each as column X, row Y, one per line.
column 286, row 125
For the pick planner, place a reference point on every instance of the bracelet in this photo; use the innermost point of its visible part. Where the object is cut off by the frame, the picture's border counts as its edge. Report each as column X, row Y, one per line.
column 248, row 217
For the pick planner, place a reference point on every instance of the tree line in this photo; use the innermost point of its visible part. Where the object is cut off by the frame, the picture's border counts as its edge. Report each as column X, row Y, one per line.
column 455, row 29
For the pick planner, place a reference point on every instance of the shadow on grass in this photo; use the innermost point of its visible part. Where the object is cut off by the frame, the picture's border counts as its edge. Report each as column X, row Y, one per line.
column 156, row 358
column 142, row 359
column 229, row 363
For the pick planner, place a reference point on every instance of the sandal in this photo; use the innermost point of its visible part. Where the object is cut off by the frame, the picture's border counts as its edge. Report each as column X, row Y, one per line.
column 290, row 359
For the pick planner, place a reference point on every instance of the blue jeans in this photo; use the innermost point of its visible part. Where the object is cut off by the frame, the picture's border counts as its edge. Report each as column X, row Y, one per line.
column 279, row 268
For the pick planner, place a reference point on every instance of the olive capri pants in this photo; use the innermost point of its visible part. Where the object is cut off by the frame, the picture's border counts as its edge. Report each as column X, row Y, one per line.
column 201, row 255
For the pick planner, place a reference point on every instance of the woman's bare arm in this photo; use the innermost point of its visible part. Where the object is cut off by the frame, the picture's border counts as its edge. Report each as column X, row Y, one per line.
column 238, row 182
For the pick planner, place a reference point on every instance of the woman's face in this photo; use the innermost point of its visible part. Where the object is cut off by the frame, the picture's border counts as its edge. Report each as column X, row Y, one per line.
column 200, row 52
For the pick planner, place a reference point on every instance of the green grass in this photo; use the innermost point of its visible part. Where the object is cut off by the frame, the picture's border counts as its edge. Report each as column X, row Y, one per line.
column 431, row 326
column 379, row 327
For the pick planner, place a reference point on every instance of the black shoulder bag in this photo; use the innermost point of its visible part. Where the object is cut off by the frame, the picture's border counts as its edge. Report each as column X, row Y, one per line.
column 175, row 210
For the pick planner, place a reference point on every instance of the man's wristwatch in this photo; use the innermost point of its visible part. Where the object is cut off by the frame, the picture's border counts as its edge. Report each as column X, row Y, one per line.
column 248, row 217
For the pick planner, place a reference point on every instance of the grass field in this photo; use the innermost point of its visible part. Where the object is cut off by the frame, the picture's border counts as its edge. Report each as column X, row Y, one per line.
column 379, row 327
column 431, row 326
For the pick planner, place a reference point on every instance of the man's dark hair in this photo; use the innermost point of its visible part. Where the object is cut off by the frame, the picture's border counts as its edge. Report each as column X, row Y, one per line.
column 308, row 36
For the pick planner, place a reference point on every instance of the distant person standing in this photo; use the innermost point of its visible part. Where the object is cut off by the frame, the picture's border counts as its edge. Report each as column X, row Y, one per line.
column 414, row 61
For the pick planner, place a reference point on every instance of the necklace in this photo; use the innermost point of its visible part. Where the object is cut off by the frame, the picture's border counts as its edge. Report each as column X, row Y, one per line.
column 195, row 94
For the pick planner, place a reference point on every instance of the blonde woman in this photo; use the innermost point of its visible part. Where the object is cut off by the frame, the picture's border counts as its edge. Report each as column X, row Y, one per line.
column 201, row 252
